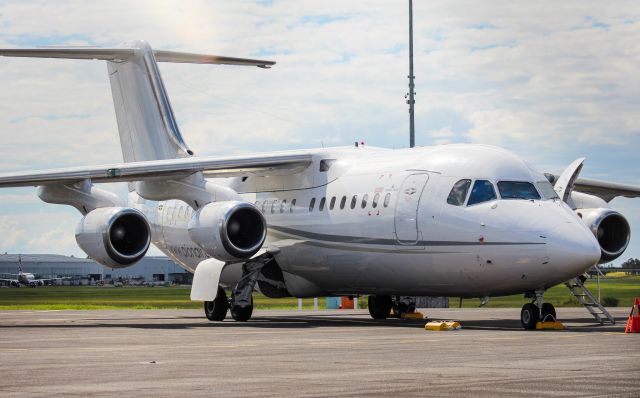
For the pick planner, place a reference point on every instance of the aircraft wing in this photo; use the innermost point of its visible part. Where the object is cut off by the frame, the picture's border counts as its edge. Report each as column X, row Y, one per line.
column 603, row 189
column 230, row 166
column 10, row 281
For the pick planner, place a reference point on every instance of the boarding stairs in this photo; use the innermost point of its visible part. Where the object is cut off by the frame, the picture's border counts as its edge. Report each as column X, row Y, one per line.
column 588, row 300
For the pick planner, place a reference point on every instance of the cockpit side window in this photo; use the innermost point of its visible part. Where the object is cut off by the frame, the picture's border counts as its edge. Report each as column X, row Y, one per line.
column 459, row 192
column 482, row 191
column 517, row 190
column 547, row 190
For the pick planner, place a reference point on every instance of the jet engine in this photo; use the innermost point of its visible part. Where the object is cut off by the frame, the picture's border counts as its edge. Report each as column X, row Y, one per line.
column 116, row 237
column 610, row 228
column 228, row 230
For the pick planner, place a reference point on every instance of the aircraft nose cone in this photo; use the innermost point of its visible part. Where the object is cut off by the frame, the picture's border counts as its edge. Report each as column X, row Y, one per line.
column 572, row 247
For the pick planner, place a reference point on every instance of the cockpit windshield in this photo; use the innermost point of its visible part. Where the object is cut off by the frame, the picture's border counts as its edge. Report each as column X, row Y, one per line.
column 517, row 190
column 547, row 190
column 482, row 192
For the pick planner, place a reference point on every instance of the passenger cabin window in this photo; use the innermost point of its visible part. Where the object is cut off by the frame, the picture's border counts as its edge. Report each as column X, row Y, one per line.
column 482, row 191
column 274, row 205
column 343, row 201
column 312, row 204
column 365, row 198
column 322, row 201
column 547, row 190
column 354, row 200
column 458, row 193
column 293, row 206
column 264, row 206
column 517, row 190
column 387, row 199
column 283, row 205
column 376, row 198
column 332, row 203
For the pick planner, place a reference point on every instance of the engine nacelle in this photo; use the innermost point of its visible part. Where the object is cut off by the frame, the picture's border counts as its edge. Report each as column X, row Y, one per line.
column 610, row 228
column 116, row 237
column 228, row 230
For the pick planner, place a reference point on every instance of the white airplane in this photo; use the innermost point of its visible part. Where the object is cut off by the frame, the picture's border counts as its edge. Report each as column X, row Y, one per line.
column 23, row 278
column 451, row 220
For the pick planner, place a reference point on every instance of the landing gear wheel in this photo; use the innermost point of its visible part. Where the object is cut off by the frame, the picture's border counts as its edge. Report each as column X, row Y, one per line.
column 529, row 316
column 216, row 310
column 548, row 309
column 242, row 314
column 380, row 306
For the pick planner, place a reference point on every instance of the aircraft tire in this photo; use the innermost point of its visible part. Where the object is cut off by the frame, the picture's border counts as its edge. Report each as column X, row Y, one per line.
column 242, row 314
column 529, row 316
column 379, row 306
column 216, row 310
column 548, row 309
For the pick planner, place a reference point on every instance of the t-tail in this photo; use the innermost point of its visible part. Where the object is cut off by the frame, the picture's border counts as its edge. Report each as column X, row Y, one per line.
column 146, row 123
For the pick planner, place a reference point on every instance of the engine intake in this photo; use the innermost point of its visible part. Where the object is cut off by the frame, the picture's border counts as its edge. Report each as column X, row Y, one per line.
column 229, row 230
column 611, row 229
column 116, row 237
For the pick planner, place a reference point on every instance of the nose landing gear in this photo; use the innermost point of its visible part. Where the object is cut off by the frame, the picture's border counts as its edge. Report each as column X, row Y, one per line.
column 538, row 311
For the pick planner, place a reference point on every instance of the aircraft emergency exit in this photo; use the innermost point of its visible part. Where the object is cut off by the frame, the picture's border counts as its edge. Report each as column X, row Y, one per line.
column 450, row 220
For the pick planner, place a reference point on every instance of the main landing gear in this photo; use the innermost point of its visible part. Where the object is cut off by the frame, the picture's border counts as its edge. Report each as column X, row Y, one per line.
column 217, row 309
column 241, row 303
column 380, row 306
column 538, row 311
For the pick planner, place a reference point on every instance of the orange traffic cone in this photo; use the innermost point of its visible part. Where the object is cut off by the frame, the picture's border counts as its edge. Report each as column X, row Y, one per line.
column 633, row 324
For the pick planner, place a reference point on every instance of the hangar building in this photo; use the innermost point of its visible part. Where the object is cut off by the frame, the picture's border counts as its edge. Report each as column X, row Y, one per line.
column 159, row 269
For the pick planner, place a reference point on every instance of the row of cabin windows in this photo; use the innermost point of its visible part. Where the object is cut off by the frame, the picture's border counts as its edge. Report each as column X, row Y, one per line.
column 483, row 191
column 352, row 204
column 283, row 206
column 277, row 205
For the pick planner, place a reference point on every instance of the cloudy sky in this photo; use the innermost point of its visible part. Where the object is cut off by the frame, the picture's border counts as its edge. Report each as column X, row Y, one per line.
column 551, row 81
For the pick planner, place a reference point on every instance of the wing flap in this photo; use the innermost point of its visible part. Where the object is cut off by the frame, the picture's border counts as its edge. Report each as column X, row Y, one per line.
column 271, row 164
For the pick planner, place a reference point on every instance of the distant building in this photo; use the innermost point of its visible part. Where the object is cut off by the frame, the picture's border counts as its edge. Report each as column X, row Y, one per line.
column 159, row 269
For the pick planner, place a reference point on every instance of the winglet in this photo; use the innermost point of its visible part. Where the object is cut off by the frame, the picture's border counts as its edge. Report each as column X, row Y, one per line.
column 564, row 184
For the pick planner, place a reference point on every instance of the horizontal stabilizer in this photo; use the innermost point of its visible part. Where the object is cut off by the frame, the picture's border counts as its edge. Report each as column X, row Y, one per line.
column 122, row 54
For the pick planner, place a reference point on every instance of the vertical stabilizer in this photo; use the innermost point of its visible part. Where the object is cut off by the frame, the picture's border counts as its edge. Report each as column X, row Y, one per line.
column 147, row 126
column 148, row 129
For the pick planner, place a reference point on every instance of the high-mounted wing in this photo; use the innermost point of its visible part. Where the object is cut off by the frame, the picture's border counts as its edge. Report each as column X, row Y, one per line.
column 603, row 189
column 257, row 165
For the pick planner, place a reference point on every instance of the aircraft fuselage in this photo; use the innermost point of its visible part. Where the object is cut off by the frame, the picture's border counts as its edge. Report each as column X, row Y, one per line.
column 369, row 221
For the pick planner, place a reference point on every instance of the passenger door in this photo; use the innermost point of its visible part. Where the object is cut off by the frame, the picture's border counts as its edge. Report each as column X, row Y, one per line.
column 407, row 203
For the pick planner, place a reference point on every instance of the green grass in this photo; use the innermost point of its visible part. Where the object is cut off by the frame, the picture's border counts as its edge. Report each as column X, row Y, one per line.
column 177, row 297
column 110, row 298
column 623, row 288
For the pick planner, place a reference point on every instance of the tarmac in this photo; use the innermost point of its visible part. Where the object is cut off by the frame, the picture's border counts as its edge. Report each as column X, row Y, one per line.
column 313, row 354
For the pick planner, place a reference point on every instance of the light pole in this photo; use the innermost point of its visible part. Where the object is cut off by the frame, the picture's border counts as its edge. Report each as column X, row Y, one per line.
column 411, row 101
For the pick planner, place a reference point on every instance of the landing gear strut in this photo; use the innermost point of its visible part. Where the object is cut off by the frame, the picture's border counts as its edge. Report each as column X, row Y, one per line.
column 538, row 311
column 404, row 305
column 242, row 299
column 216, row 310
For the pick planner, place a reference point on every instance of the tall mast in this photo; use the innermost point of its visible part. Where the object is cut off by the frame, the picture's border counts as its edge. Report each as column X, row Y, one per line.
column 411, row 101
